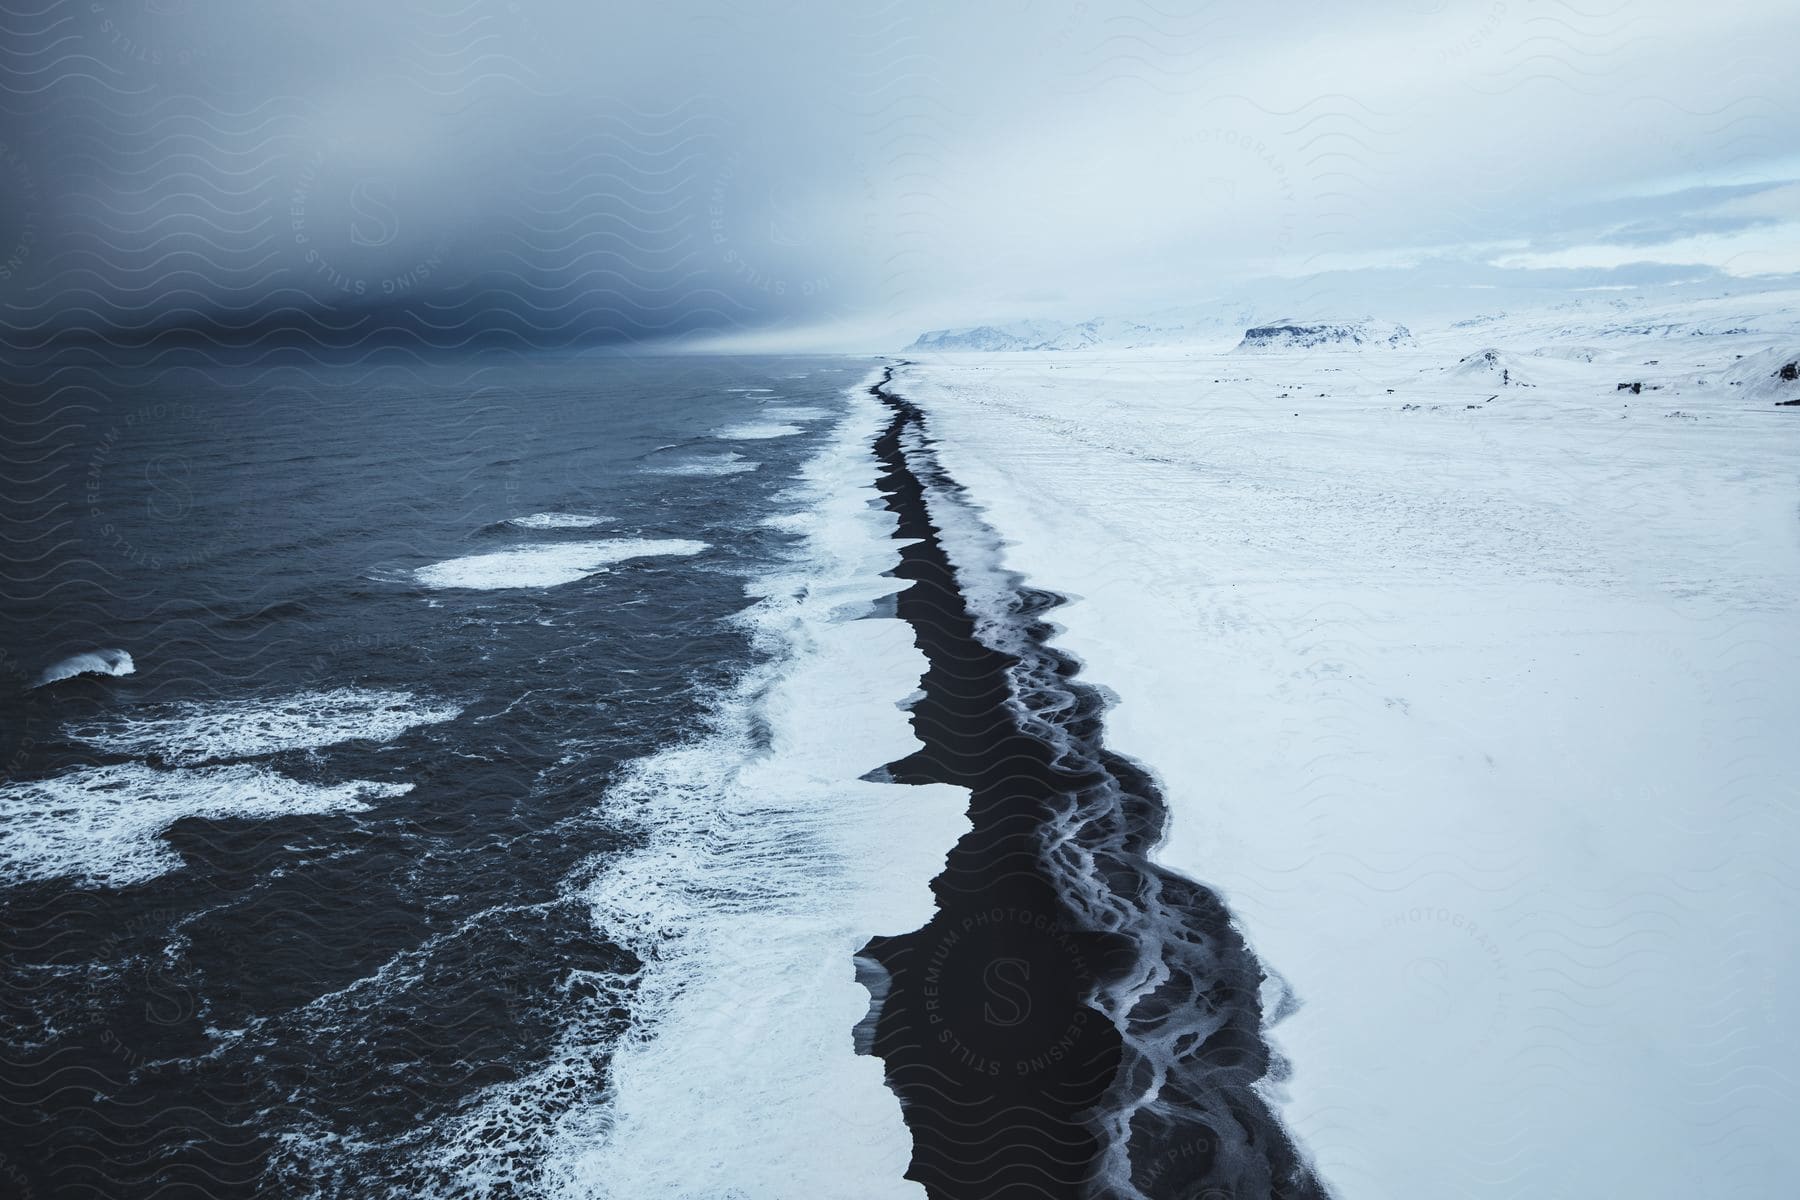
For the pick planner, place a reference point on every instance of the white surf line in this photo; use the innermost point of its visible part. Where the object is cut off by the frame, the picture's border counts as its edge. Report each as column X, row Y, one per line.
column 771, row 862
column 768, row 861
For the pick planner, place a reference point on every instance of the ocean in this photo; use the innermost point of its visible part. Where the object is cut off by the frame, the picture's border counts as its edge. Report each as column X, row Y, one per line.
column 304, row 871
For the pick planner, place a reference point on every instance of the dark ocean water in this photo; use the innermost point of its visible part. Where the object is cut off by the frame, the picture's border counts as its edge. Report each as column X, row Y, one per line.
column 281, row 902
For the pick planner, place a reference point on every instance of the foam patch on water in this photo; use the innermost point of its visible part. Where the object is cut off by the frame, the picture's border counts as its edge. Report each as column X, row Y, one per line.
column 557, row 520
column 795, row 412
column 757, row 431
column 92, row 662
column 706, row 464
column 190, row 733
column 104, row 825
column 548, row 565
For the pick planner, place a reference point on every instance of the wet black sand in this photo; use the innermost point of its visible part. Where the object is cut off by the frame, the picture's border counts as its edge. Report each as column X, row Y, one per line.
column 1074, row 1021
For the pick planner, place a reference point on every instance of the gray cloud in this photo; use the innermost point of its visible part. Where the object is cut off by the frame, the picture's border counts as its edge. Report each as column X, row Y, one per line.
column 837, row 174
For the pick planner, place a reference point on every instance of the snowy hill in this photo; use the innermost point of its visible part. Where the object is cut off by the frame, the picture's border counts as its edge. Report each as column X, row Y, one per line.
column 1493, row 366
column 1201, row 326
column 1583, row 328
column 1595, row 320
column 1772, row 376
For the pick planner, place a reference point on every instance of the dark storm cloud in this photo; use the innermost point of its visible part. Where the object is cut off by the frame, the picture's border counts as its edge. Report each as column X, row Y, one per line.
column 571, row 172
column 835, row 173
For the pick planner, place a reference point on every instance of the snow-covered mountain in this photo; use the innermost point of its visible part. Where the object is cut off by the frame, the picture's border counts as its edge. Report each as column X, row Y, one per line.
column 1214, row 328
column 979, row 338
column 1589, row 322
column 1206, row 326
column 1581, row 328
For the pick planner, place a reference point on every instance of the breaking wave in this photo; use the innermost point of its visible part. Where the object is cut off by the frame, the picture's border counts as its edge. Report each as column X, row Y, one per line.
column 91, row 662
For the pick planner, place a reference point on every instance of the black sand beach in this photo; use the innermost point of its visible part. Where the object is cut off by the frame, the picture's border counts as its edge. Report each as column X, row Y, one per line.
column 1074, row 1021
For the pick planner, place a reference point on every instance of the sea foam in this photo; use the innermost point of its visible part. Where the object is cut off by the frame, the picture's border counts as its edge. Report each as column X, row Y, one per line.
column 728, row 463
column 189, row 733
column 756, row 431
column 103, row 825
column 557, row 520
column 543, row 566
column 795, row 412
column 705, row 464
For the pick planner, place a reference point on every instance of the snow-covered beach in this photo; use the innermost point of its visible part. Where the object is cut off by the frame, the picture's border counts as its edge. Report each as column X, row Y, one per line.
column 1466, row 664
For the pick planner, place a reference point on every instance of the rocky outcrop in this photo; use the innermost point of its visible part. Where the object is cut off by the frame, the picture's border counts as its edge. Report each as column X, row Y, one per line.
column 1287, row 335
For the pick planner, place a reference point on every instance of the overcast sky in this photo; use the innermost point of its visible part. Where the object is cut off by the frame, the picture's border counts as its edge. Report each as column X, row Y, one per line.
column 843, row 175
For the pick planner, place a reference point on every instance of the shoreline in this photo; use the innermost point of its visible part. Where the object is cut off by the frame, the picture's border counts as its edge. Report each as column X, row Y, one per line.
column 1073, row 1020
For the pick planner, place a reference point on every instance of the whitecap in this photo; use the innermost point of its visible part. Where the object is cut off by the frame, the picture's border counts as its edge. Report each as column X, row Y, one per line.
column 557, row 520
column 91, row 662
column 757, row 431
column 545, row 566
column 796, row 412
column 706, row 464
column 190, row 732
column 104, row 825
